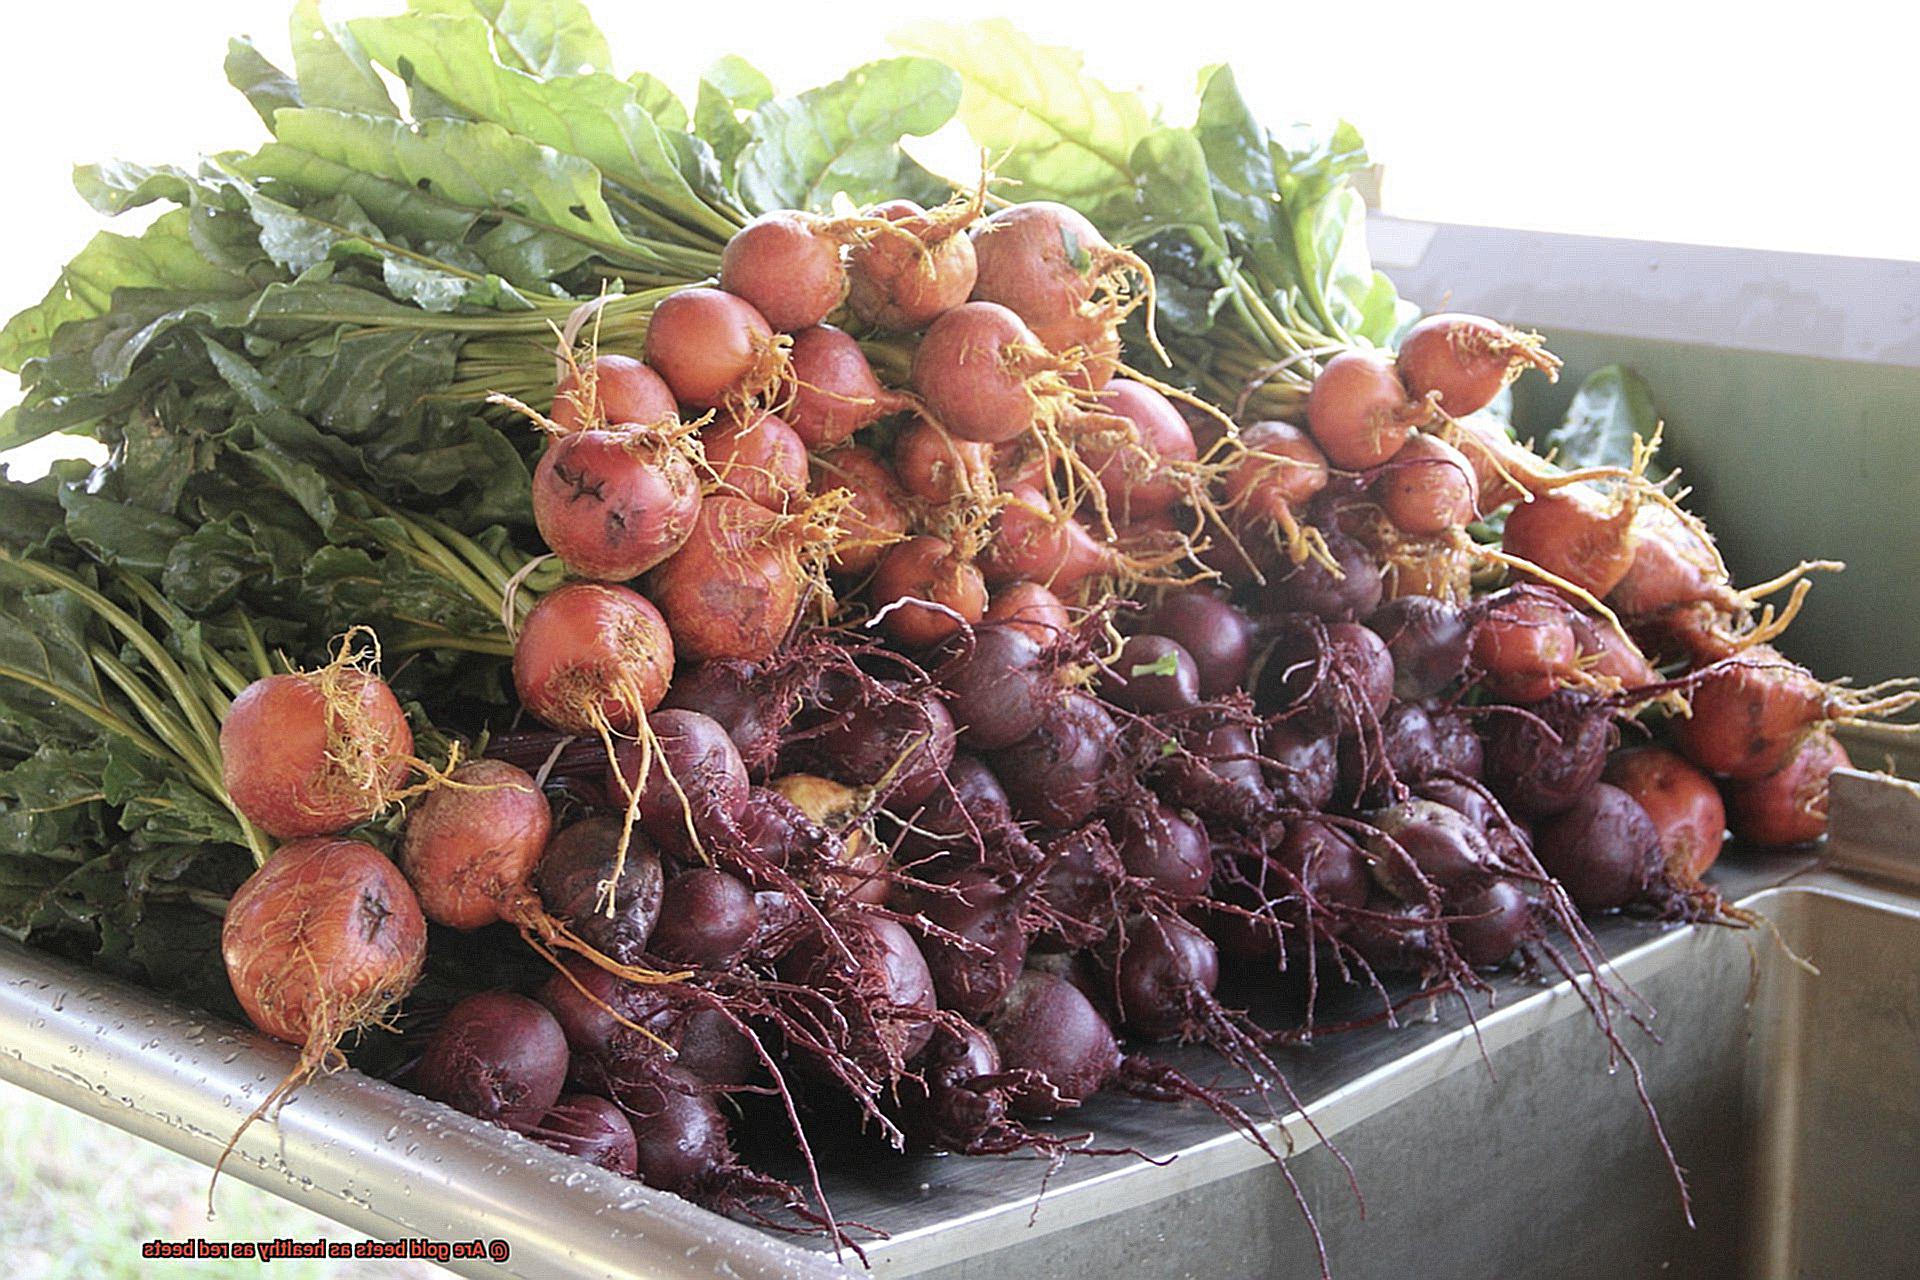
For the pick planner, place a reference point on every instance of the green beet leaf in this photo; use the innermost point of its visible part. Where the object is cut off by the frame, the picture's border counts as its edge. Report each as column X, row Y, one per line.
column 1050, row 126
column 269, row 89
column 1611, row 408
column 730, row 91
column 596, row 118
column 540, row 37
column 331, row 68
column 844, row 139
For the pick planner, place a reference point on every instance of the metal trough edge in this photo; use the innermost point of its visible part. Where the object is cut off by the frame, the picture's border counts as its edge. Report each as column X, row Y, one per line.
column 363, row 1152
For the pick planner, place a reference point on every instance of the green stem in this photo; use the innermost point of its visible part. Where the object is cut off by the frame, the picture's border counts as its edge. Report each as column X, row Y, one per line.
column 423, row 643
column 176, row 734
column 640, row 252
column 1316, row 337
column 477, row 571
column 205, row 723
column 205, row 899
column 476, row 556
column 221, row 669
column 100, row 715
column 602, row 271
column 711, row 225
column 430, row 550
column 891, row 357
column 683, row 238
column 546, row 312
column 1253, row 308
column 1318, row 301
column 202, row 760
column 195, row 743
column 255, row 649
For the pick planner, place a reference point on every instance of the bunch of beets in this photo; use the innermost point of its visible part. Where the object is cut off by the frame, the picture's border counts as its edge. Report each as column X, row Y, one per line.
column 913, row 745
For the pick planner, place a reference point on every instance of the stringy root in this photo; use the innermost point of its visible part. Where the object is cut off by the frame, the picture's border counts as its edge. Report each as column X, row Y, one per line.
column 329, row 1023
column 359, row 762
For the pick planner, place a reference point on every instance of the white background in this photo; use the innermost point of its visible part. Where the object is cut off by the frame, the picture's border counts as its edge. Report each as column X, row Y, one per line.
column 1712, row 124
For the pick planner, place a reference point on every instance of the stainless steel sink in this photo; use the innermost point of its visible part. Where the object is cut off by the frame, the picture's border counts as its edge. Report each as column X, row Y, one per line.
column 1498, row 1147
column 1793, row 1100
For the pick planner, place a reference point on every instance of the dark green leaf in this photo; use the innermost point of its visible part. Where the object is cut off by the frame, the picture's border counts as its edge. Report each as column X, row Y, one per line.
column 175, row 947
column 358, row 587
column 1379, row 314
column 90, row 356
column 207, row 570
column 1330, row 245
column 1611, row 408
column 115, row 186
column 401, row 207
column 1294, row 224
column 50, row 809
column 298, row 239
column 30, row 512
column 162, row 257
column 431, row 453
column 1188, row 290
column 1175, row 190
column 28, row 882
column 117, row 533
column 337, row 228
column 1313, row 162
column 46, row 651
column 476, row 165
column 1245, row 184
column 530, row 256
column 595, row 120
column 156, row 802
column 217, row 225
column 353, row 382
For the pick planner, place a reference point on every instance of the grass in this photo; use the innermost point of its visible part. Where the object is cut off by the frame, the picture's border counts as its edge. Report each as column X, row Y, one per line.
column 78, row 1198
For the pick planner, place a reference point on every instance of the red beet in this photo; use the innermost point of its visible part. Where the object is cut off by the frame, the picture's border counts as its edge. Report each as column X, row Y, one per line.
column 985, row 376
column 1466, row 360
column 1789, row 805
column 613, row 390
column 834, row 392
column 713, row 349
column 1359, row 411
column 614, row 502
column 1215, row 634
column 496, row 1055
column 788, row 266
column 905, row 281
